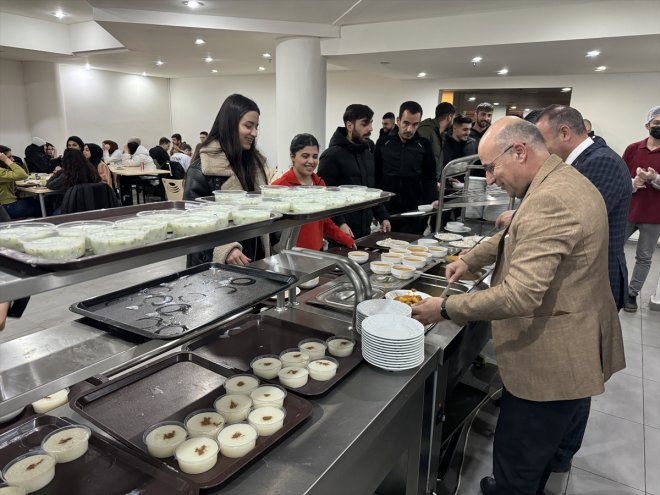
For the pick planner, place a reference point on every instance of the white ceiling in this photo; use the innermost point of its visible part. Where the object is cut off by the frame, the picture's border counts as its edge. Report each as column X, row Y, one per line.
column 239, row 52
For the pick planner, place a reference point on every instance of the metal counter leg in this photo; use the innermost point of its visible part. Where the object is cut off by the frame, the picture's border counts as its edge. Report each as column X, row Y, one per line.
column 42, row 203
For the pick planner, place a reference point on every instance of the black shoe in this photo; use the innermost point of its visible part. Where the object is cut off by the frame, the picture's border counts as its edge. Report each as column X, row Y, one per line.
column 487, row 485
column 631, row 304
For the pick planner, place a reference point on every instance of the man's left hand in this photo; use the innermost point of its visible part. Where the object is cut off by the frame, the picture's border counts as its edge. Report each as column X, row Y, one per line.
column 386, row 226
column 427, row 311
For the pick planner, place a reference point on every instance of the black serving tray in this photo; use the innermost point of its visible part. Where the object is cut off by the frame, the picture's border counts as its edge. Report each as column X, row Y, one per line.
column 169, row 390
column 177, row 304
column 105, row 469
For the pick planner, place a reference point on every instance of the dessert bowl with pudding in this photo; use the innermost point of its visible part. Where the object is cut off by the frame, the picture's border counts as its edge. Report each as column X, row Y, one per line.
column 268, row 395
column 68, row 443
column 403, row 251
column 293, row 377
column 380, row 267
column 358, row 256
column 403, row 272
column 197, row 455
column 241, row 384
column 6, row 489
column 294, row 358
column 340, row 346
column 437, row 251
column 393, row 258
column 31, row 471
column 162, row 439
column 204, row 423
column 267, row 420
column 266, row 366
column 314, row 347
column 237, row 440
column 323, row 369
column 233, row 407
column 415, row 261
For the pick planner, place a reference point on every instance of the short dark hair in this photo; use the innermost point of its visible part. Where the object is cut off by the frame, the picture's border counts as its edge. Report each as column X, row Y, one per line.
column 132, row 147
column 163, row 141
column 177, row 136
column 485, row 107
column 533, row 115
column 444, row 108
column 412, row 106
column 559, row 115
column 389, row 115
column 185, row 147
column 204, row 132
column 4, row 149
column 461, row 119
column 301, row 141
column 113, row 146
column 356, row 112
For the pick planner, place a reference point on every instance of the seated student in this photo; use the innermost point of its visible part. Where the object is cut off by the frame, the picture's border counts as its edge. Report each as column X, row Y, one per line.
column 111, row 152
column 10, row 172
column 94, row 153
column 76, row 169
column 160, row 153
column 36, row 159
column 135, row 155
column 304, row 150
column 183, row 157
column 72, row 142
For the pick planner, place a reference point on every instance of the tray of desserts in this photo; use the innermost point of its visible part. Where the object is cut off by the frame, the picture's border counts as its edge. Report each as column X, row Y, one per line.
column 193, row 416
column 82, row 240
column 270, row 348
column 51, row 455
column 382, row 240
column 177, row 304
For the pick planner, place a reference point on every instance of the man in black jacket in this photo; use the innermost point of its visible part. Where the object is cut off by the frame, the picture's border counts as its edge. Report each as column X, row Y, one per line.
column 459, row 143
column 405, row 165
column 349, row 161
column 160, row 154
column 36, row 159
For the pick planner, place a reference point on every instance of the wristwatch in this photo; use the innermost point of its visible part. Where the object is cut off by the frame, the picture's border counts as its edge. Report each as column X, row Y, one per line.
column 443, row 310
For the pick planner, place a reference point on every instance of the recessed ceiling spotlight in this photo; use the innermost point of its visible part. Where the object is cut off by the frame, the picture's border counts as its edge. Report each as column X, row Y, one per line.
column 476, row 60
column 527, row 109
column 566, row 90
column 266, row 55
column 600, row 68
column 421, row 74
column 159, row 62
column 513, row 107
column 144, row 74
column 215, row 71
column 592, row 54
column 87, row 66
column 503, row 72
column 261, row 68
column 199, row 41
column 472, row 98
column 192, row 4
column 497, row 103
column 59, row 14
column 208, row 59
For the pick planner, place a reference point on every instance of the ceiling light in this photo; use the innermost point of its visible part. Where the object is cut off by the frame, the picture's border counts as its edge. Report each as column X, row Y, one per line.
column 144, row 74
column 472, row 98
column 527, row 109
column 503, row 72
column 261, row 68
column 266, row 55
column 513, row 107
column 476, row 60
column 592, row 54
column 87, row 66
column 566, row 90
column 215, row 71
column 208, row 59
column 421, row 74
column 193, row 4
column 497, row 103
column 159, row 62
column 59, row 14
column 600, row 68
column 199, row 41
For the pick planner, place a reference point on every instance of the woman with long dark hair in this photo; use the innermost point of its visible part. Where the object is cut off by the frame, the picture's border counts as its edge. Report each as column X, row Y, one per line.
column 94, row 153
column 229, row 160
column 76, row 169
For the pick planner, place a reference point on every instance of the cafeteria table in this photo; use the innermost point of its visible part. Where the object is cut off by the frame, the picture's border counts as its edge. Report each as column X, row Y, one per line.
column 119, row 171
column 40, row 191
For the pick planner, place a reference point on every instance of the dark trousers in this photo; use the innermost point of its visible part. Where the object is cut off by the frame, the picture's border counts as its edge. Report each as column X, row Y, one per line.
column 572, row 440
column 526, row 438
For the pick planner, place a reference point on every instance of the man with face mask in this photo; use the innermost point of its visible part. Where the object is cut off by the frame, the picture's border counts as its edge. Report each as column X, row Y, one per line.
column 643, row 160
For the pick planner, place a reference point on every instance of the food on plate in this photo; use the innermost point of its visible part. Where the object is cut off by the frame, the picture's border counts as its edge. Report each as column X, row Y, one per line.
column 444, row 237
column 411, row 298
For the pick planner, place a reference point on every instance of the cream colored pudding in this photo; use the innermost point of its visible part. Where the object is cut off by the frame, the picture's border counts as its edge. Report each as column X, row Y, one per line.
column 6, row 489
column 340, row 346
column 266, row 366
column 12, row 235
column 359, row 256
column 56, row 247
column 166, row 215
column 221, row 216
column 293, row 377
column 267, row 420
column 228, row 196
column 294, row 357
column 204, row 423
column 233, row 407
column 306, row 205
column 400, row 250
column 414, row 261
column 162, row 439
column 155, row 230
column 191, row 224
column 115, row 239
column 241, row 384
column 51, row 401
column 32, row 471
column 68, row 443
column 323, row 370
column 274, row 191
column 392, row 258
column 417, row 249
column 197, row 455
column 243, row 216
column 314, row 347
column 281, row 204
column 237, row 440
column 82, row 228
column 380, row 267
column 437, row 251
column 403, row 272
column 268, row 395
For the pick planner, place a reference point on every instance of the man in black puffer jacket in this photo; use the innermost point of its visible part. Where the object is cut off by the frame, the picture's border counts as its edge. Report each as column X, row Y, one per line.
column 349, row 161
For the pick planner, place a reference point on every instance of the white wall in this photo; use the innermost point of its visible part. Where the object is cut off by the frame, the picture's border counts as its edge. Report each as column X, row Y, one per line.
column 14, row 128
column 102, row 105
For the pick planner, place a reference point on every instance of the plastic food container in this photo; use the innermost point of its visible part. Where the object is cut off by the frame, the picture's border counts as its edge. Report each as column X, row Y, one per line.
column 197, row 455
column 241, row 384
column 392, row 258
column 380, row 267
column 204, row 423
column 115, row 239
column 245, row 215
column 31, row 471
column 266, row 366
column 68, row 443
column 293, row 377
column 267, row 420
column 403, row 272
column 306, row 205
column 274, row 191
column 56, row 247
column 51, row 401
column 155, row 229
column 294, row 357
column 192, row 224
column 233, row 407
column 228, row 196
column 414, row 261
column 314, row 347
column 323, row 369
column 12, row 235
column 340, row 346
column 6, row 489
column 83, row 227
column 268, row 395
column 162, row 439
column 167, row 215
column 237, row 440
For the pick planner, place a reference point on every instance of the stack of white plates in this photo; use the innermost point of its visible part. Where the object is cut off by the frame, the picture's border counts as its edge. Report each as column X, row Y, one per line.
column 393, row 342
column 380, row 307
column 476, row 188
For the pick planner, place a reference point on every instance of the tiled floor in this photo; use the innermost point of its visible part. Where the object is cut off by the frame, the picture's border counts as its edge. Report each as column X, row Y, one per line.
column 620, row 453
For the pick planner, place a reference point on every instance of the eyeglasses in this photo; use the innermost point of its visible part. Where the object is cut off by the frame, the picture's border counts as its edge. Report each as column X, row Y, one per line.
column 490, row 167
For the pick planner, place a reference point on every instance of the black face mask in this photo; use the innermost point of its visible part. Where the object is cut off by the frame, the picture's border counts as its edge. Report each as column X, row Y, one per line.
column 655, row 132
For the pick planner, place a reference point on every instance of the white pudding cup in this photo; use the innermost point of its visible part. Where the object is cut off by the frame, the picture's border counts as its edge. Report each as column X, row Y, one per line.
column 204, row 423
column 293, row 377
column 323, row 369
column 197, row 455
column 266, row 366
column 314, row 347
column 241, row 384
column 162, row 439
column 268, row 395
column 237, row 440
column 233, row 407
column 31, row 471
column 340, row 346
column 68, row 443
column 267, row 420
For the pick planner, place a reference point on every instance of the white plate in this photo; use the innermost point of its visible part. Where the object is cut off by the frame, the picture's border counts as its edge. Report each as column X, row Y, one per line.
column 392, row 327
column 401, row 292
column 396, row 368
column 389, row 243
column 395, row 364
column 394, row 355
column 462, row 244
column 286, row 294
column 382, row 306
column 444, row 237
column 412, row 213
column 462, row 229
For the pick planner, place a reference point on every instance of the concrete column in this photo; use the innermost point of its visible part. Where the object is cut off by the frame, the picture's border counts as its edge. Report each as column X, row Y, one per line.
column 300, row 88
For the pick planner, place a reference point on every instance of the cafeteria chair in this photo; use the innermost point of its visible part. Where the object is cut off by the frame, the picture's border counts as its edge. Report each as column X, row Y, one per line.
column 173, row 189
column 88, row 197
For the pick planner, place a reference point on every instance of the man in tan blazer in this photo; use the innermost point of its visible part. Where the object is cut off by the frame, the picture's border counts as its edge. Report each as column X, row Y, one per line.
column 555, row 327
